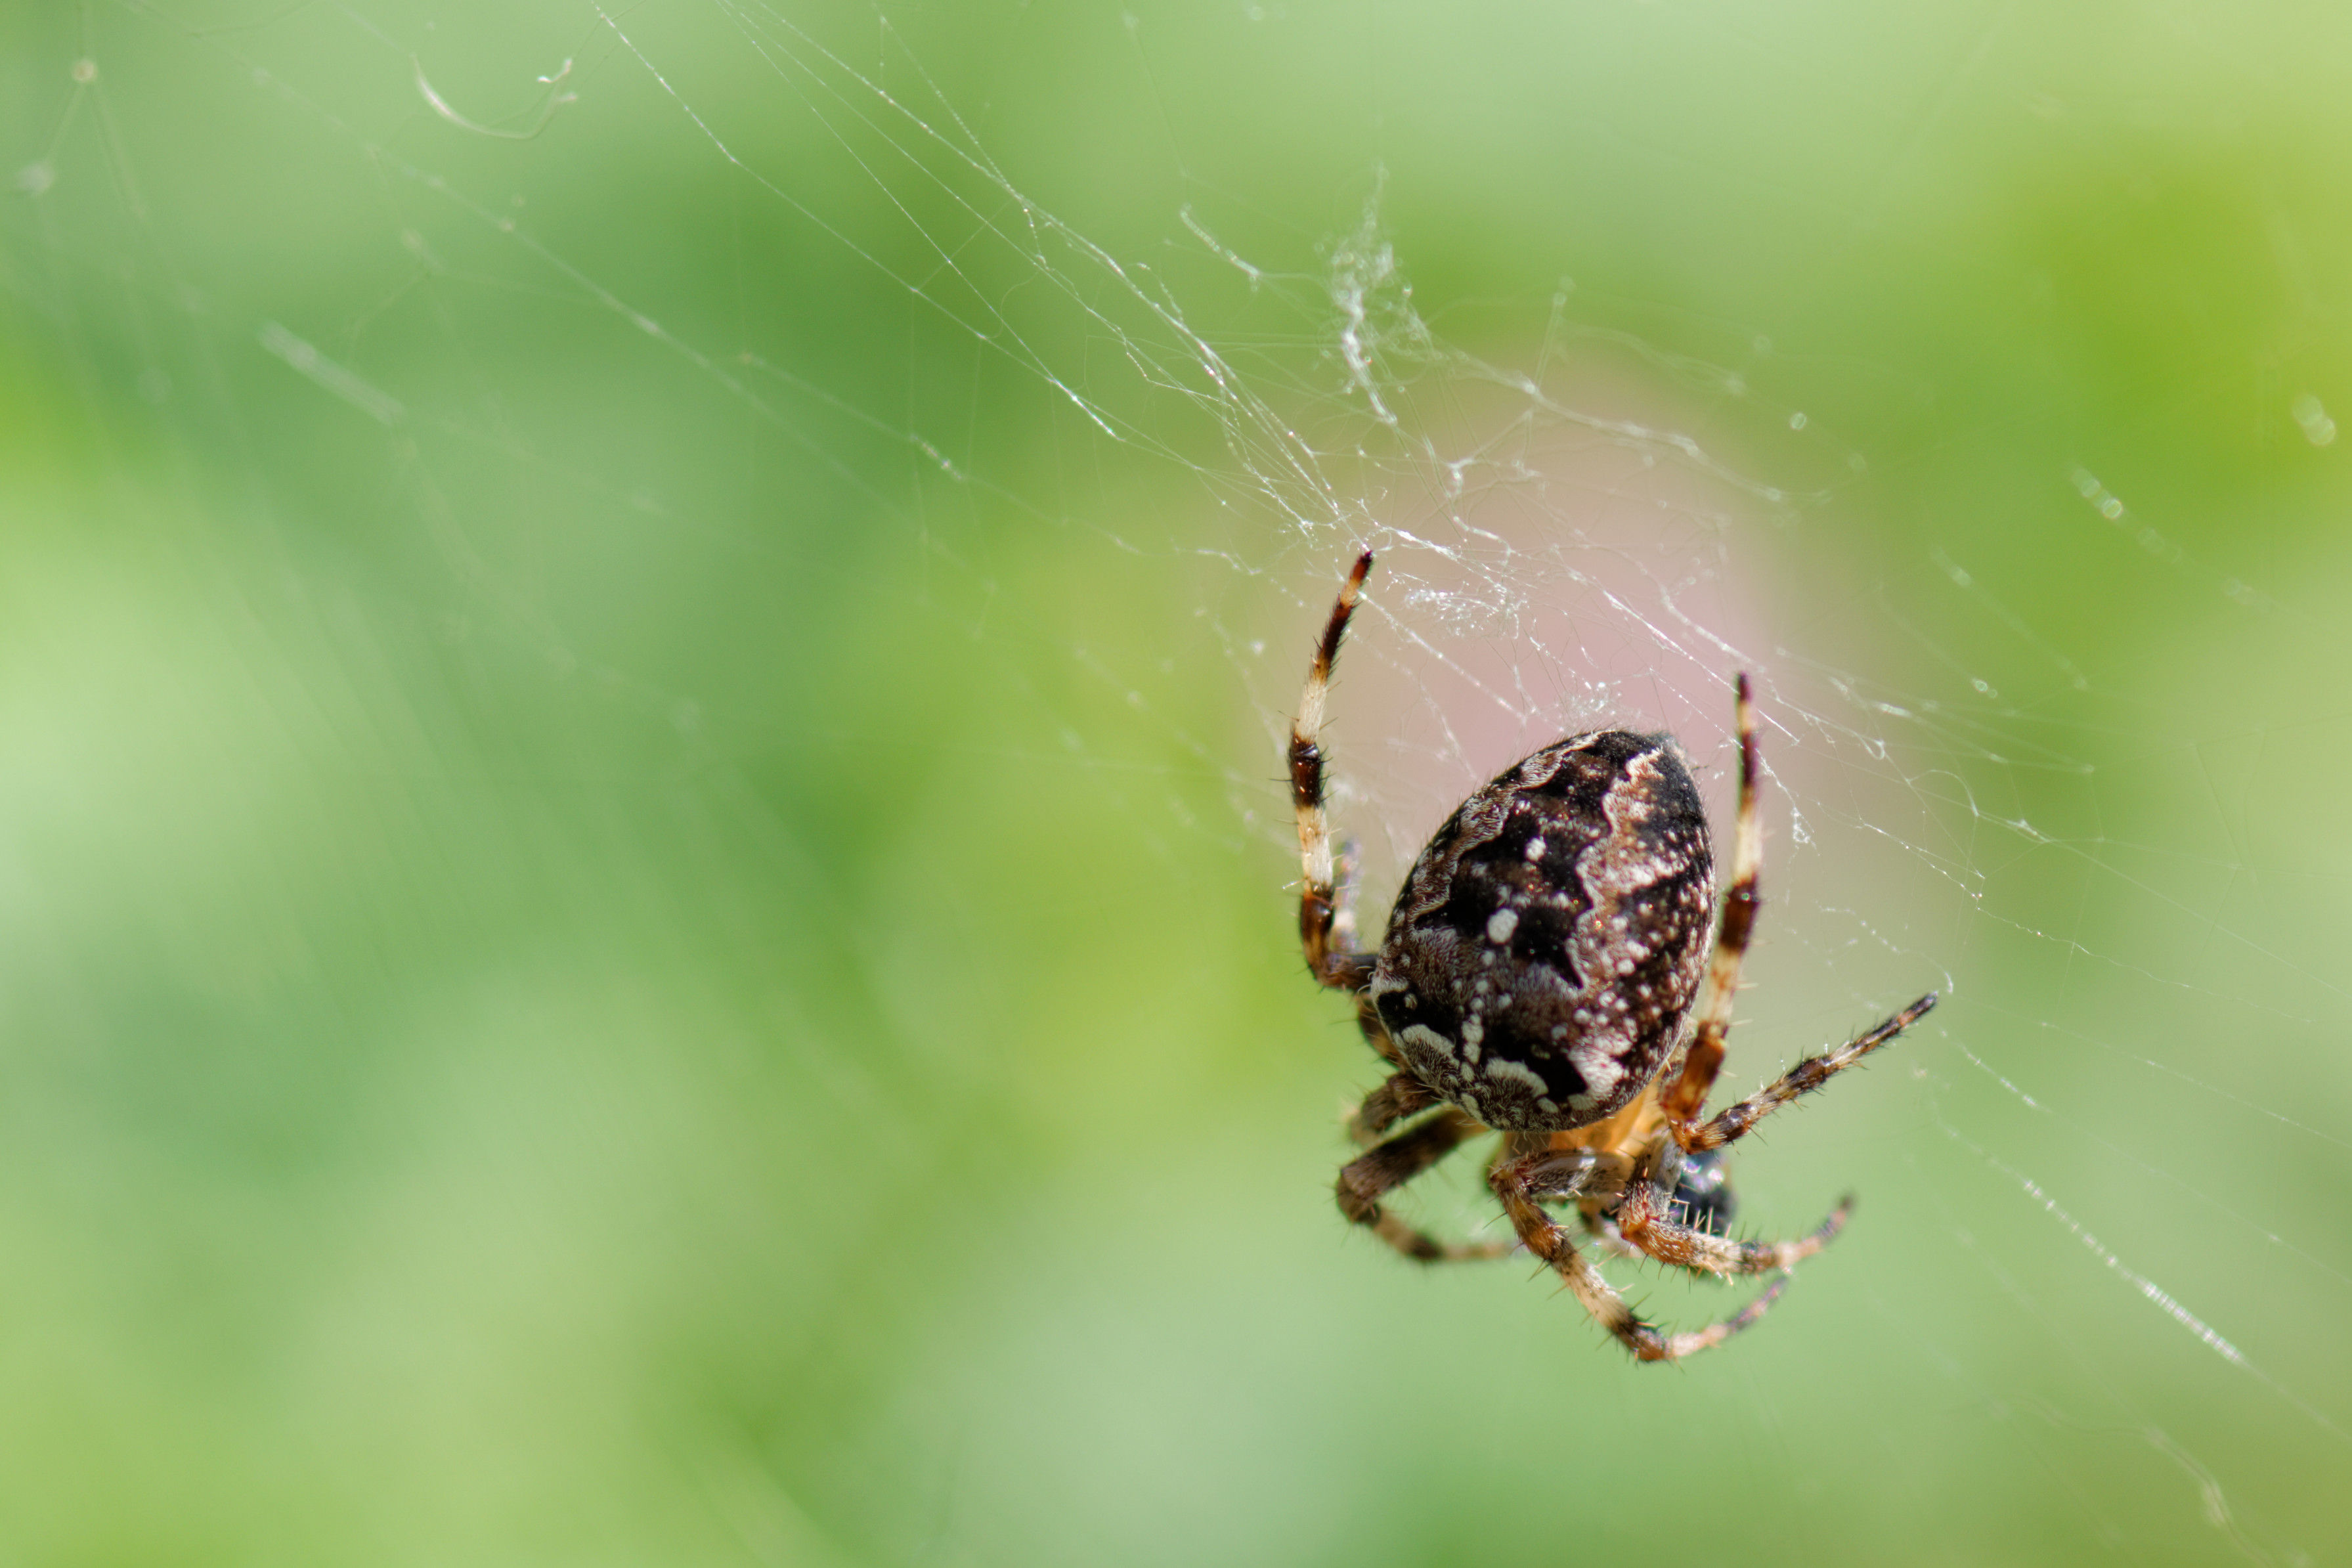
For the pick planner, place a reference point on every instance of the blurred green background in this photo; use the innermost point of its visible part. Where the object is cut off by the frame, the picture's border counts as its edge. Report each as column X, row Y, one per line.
column 647, row 906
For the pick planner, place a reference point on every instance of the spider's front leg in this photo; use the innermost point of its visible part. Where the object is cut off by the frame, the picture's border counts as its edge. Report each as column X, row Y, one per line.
column 1737, row 1122
column 1522, row 1183
column 1684, row 1098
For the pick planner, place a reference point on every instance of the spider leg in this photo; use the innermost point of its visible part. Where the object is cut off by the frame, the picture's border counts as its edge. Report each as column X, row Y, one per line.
column 1324, row 929
column 1520, row 1184
column 1687, row 1095
column 1376, row 1034
column 1737, row 1122
column 1390, row 1166
column 1402, row 1096
column 1641, row 1220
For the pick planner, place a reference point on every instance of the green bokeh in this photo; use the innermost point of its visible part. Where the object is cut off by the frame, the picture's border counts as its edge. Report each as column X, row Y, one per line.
column 621, row 964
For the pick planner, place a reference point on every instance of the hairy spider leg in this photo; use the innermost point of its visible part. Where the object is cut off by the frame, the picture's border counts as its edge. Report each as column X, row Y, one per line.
column 1402, row 1096
column 1364, row 1180
column 1807, row 1076
column 1521, row 1184
column 1319, row 905
column 1686, row 1096
column 1641, row 1220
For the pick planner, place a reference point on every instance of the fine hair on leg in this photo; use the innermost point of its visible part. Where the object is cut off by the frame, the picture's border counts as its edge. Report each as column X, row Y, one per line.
column 1641, row 1220
column 1737, row 1122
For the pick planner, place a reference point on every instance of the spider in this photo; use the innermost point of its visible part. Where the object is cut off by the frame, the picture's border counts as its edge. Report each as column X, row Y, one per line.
column 1537, row 980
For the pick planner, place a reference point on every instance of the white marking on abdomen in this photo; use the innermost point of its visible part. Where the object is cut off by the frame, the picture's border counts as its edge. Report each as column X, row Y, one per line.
column 1503, row 1066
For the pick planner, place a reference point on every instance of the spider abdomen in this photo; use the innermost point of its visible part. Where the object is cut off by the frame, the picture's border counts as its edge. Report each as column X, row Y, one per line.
column 1549, row 942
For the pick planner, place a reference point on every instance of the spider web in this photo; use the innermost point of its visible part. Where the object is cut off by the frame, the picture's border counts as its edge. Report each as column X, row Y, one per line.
column 2049, row 729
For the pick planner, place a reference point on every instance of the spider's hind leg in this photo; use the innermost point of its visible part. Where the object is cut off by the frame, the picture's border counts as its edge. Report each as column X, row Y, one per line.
column 1326, row 925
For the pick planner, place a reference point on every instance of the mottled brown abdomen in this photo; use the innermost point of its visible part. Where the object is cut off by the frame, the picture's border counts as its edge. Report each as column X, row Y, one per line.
column 1549, row 942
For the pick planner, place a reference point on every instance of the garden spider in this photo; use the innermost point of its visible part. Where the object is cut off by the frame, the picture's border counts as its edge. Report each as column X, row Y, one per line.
column 1535, row 980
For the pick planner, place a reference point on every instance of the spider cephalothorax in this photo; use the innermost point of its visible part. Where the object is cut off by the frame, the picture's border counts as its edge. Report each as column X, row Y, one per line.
column 1538, row 979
